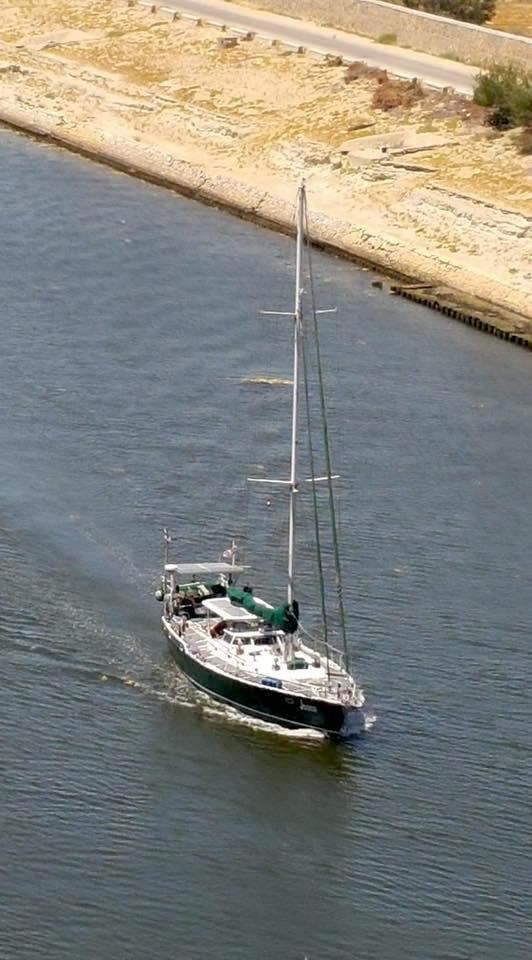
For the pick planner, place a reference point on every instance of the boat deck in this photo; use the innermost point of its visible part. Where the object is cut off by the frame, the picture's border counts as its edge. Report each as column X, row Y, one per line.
column 336, row 688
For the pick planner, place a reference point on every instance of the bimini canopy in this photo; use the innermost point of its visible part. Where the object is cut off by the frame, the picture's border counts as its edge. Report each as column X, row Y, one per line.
column 284, row 617
column 203, row 570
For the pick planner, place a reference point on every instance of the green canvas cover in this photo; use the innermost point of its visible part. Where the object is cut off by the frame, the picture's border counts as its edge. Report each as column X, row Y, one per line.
column 196, row 589
column 283, row 617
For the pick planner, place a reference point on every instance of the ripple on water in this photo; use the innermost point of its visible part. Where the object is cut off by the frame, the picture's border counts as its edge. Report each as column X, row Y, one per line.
column 140, row 819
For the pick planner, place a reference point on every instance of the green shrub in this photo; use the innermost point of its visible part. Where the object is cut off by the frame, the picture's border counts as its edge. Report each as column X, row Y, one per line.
column 474, row 11
column 508, row 90
column 390, row 38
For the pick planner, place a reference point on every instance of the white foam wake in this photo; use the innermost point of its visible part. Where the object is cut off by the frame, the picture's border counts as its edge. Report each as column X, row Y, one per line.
column 173, row 688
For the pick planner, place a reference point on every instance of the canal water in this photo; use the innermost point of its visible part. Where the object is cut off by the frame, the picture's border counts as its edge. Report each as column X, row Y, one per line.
column 137, row 821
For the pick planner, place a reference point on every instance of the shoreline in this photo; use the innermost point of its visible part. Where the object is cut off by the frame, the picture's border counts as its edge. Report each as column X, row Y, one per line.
column 474, row 311
column 420, row 195
column 193, row 191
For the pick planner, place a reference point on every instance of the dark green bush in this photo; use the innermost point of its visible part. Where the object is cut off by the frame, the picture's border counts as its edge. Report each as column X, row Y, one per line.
column 474, row 11
column 508, row 89
column 499, row 119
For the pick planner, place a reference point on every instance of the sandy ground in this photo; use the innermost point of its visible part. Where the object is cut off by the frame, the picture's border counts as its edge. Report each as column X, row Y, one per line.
column 445, row 201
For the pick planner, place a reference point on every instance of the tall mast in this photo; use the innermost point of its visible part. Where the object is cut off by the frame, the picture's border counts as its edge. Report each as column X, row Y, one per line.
column 330, row 477
column 298, row 315
column 167, row 541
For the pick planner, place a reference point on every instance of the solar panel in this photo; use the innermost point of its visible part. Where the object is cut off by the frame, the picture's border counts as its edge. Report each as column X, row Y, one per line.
column 202, row 569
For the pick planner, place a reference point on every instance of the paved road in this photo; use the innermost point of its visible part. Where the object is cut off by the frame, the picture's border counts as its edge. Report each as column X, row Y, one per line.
column 403, row 63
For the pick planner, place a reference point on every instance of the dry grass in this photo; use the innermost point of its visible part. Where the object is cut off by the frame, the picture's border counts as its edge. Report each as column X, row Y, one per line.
column 514, row 16
column 395, row 94
column 525, row 141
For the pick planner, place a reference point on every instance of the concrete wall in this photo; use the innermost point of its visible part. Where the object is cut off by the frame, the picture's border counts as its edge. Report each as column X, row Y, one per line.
column 421, row 31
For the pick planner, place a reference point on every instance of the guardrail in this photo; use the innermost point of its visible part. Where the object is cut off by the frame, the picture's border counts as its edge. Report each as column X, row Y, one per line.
column 241, row 31
column 427, row 32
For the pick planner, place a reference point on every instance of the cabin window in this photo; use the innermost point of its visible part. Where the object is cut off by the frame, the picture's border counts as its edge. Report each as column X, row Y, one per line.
column 263, row 639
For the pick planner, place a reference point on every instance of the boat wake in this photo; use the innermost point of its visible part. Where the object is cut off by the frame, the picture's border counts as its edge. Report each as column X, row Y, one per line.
column 370, row 719
column 173, row 688
column 218, row 711
column 211, row 708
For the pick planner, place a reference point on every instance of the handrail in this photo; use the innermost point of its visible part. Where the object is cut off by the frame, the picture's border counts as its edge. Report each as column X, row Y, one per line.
column 332, row 688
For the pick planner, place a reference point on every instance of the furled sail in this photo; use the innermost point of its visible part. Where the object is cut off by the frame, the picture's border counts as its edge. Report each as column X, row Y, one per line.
column 284, row 617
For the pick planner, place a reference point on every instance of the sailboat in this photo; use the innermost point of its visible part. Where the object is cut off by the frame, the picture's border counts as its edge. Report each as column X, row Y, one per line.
column 240, row 649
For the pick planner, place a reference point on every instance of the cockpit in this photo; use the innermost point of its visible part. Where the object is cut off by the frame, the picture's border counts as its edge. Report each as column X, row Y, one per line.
column 239, row 628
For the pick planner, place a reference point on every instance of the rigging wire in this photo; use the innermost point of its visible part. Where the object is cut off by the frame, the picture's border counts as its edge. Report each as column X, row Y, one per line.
column 327, row 449
column 317, row 536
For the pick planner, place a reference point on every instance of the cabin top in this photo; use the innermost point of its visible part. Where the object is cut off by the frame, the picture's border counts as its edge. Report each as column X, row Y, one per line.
column 222, row 607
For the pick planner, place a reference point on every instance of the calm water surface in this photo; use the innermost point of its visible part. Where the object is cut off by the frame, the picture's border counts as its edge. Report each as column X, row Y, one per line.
column 136, row 822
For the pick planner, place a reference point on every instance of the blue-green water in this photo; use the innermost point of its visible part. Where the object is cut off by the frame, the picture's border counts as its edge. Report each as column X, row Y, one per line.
column 137, row 822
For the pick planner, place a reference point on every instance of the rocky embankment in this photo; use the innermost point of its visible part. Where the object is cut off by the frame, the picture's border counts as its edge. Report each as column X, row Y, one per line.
column 408, row 181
